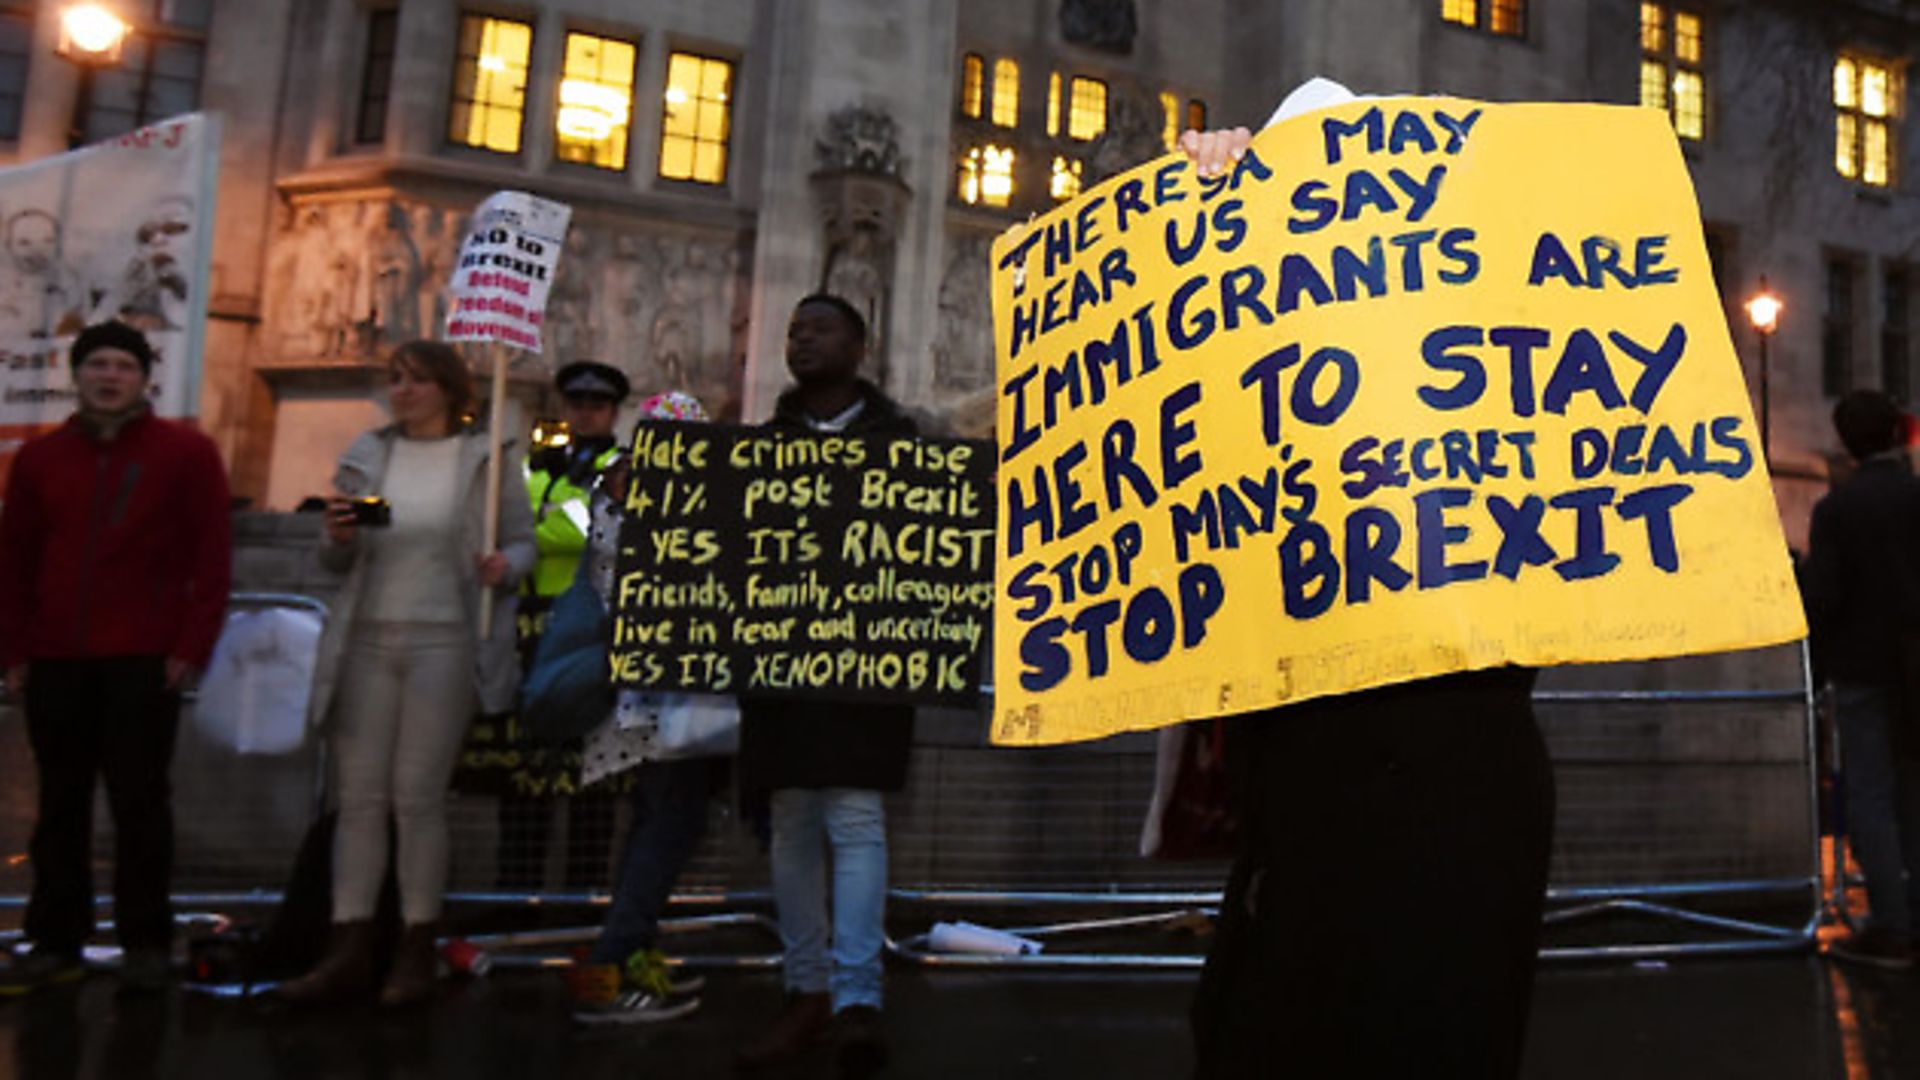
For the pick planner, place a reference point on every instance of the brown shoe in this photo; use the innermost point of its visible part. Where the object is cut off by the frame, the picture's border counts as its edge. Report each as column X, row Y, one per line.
column 802, row 1024
column 345, row 972
column 415, row 967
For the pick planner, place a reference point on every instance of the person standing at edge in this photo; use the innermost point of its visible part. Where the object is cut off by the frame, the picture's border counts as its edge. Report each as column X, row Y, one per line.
column 115, row 560
column 826, row 763
column 402, row 659
column 1382, row 917
column 1862, row 591
column 559, row 484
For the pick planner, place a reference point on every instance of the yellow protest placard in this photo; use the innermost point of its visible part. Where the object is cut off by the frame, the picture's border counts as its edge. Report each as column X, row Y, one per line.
column 1423, row 385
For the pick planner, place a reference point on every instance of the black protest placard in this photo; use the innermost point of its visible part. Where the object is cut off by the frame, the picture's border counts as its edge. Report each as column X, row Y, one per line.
column 852, row 568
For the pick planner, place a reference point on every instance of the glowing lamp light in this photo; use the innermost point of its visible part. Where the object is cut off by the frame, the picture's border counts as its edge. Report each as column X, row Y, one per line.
column 676, row 95
column 1763, row 311
column 493, row 64
column 589, row 111
column 91, row 34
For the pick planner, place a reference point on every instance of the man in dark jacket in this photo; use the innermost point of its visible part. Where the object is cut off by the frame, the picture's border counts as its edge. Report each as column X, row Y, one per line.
column 825, row 764
column 115, row 555
column 1862, row 590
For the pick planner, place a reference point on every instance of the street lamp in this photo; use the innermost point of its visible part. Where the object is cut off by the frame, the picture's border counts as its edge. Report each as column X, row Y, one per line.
column 1763, row 311
column 91, row 36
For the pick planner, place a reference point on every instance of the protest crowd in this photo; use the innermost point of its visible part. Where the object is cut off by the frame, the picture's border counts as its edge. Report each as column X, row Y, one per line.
column 489, row 597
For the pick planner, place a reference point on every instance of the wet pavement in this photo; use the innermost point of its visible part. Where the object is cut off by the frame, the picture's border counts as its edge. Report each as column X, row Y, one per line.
column 1793, row 1017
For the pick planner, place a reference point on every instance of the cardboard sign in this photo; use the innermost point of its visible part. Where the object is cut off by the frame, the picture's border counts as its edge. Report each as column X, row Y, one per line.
column 500, row 284
column 119, row 230
column 849, row 568
column 1423, row 385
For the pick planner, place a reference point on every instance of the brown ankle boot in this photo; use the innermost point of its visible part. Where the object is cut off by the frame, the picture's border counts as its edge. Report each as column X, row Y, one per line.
column 410, row 979
column 345, row 972
column 802, row 1024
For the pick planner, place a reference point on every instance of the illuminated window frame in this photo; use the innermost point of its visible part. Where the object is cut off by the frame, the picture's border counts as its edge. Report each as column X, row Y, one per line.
column 1673, row 66
column 490, row 87
column 1066, row 178
column 1086, row 108
column 1866, row 103
column 696, row 127
column 1196, row 115
column 593, row 109
column 1006, row 93
column 973, row 86
column 1505, row 18
column 985, row 176
column 1170, row 119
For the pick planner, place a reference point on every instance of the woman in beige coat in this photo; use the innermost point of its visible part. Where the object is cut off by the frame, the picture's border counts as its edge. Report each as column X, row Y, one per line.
column 403, row 665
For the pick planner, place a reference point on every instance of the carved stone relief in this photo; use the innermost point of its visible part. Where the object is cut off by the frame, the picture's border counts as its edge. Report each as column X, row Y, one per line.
column 963, row 340
column 1135, row 133
column 350, row 279
column 861, row 199
column 1099, row 24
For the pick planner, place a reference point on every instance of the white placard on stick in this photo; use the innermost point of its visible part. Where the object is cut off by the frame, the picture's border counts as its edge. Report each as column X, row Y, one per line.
column 499, row 287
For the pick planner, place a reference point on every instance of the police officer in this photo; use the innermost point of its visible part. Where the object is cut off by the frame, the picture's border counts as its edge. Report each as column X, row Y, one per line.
column 560, row 483
column 560, row 479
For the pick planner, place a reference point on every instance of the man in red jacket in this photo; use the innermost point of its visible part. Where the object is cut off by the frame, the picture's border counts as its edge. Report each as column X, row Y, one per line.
column 115, row 556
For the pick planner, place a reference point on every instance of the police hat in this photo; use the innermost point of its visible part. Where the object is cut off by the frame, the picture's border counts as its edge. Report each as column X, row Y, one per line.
column 585, row 378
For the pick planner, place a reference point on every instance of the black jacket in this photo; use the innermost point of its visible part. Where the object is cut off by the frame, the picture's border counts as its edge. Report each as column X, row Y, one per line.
column 819, row 744
column 1862, row 578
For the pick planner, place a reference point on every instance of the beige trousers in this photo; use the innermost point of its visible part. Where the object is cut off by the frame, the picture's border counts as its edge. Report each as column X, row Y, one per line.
column 406, row 698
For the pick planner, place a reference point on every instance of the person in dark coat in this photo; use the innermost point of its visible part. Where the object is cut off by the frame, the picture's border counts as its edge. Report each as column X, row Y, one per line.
column 1382, row 917
column 1862, row 591
column 824, row 765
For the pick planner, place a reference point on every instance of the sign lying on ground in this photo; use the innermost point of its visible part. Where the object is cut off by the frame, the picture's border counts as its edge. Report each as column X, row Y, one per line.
column 1423, row 385
column 119, row 230
column 506, row 266
column 824, row 566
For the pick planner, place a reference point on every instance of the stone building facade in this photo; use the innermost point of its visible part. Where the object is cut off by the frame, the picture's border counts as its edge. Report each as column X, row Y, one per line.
column 874, row 147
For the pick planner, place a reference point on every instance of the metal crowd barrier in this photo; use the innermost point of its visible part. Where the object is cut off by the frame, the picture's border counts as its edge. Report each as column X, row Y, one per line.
column 724, row 898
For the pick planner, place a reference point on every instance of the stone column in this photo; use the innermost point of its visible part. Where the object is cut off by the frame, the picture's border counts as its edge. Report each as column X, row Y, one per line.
column 894, row 56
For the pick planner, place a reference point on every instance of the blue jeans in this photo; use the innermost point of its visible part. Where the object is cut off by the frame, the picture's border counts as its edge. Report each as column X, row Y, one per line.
column 669, row 816
column 854, row 822
column 1883, row 803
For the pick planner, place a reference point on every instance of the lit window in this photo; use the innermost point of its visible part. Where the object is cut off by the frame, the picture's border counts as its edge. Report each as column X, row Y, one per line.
column 1006, row 93
column 1865, row 94
column 1170, row 116
column 1196, row 115
column 490, row 83
column 1066, row 178
column 596, row 102
column 1053, row 104
column 986, row 176
column 973, row 86
column 1672, row 43
column 1508, row 18
column 698, row 119
column 1087, row 109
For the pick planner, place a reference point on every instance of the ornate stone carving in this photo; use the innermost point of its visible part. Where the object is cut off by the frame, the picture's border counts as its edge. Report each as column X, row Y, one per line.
column 1136, row 124
column 859, row 139
column 862, row 200
column 350, row 279
column 1099, row 24
column 963, row 340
